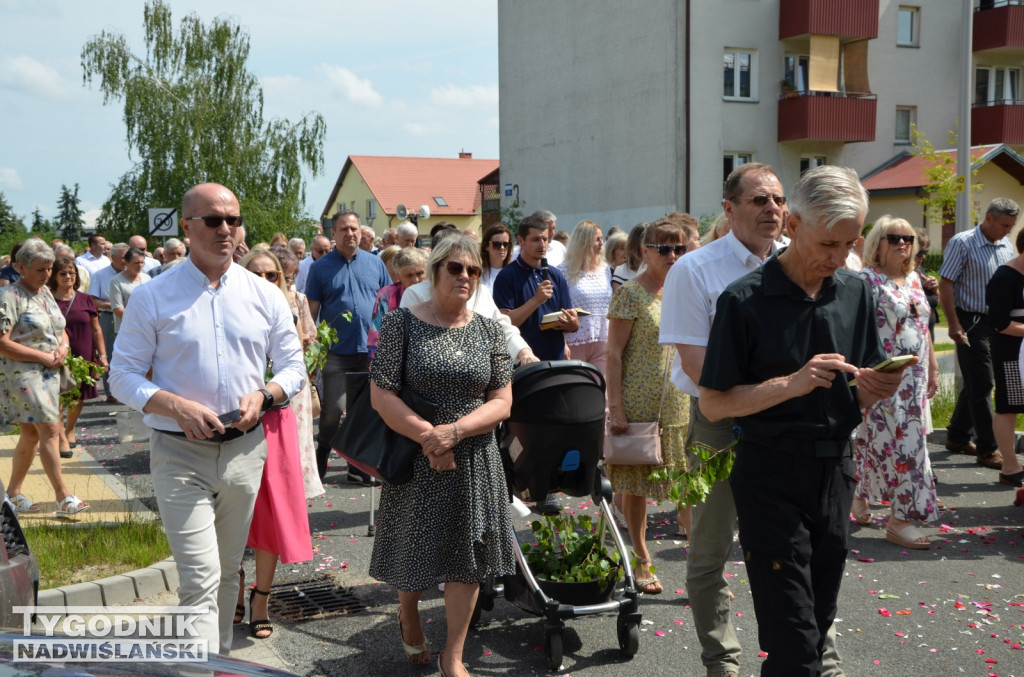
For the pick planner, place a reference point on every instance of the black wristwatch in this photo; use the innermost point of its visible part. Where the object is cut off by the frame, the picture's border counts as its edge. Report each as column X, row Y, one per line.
column 268, row 399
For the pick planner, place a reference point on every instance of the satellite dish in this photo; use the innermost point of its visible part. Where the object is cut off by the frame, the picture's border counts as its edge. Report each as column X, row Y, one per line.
column 424, row 212
column 401, row 212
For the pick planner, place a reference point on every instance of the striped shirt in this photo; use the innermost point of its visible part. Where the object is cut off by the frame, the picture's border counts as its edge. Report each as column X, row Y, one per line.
column 970, row 261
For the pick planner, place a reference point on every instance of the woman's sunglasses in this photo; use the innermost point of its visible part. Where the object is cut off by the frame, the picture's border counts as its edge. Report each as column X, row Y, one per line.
column 666, row 249
column 499, row 245
column 455, row 269
column 271, row 276
column 896, row 238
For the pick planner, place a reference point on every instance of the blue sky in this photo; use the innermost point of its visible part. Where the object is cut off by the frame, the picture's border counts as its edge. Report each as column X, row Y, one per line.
column 390, row 77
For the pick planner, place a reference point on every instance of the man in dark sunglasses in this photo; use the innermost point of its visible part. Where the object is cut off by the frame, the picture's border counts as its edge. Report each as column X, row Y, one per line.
column 341, row 288
column 785, row 341
column 206, row 328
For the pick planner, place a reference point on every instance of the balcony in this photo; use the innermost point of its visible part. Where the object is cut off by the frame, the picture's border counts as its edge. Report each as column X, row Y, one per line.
column 999, row 26
column 828, row 116
column 849, row 19
column 1000, row 123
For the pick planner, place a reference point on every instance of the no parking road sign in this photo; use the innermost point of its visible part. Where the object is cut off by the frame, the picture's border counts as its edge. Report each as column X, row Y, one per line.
column 163, row 222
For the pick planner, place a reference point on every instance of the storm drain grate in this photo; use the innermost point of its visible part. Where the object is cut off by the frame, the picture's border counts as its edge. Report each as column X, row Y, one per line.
column 316, row 598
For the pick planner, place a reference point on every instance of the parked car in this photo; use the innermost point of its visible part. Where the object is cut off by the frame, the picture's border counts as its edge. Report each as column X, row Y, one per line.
column 19, row 573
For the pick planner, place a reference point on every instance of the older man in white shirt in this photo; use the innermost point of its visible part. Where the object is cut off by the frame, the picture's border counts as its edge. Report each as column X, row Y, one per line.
column 217, row 326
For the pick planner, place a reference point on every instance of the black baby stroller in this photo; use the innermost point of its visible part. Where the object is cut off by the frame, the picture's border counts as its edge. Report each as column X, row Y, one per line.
column 553, row 442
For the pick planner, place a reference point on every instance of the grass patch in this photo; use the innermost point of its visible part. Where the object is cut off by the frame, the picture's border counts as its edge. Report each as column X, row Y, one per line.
column 945, row 401
column 70, row 554
column 944, row 347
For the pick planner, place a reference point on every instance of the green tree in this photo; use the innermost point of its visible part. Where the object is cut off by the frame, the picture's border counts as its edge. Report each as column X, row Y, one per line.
column 69, row 221
column 194, row 113
column 39, row 223
column 12, row 226
column 943, row 183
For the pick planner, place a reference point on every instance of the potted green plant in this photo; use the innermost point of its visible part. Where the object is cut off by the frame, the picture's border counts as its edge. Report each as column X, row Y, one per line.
column 788, row 89
column 570, row 559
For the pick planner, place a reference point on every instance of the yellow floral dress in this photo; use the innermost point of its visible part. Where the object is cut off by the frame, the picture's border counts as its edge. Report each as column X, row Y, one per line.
column 29, row 392
column 643, row 372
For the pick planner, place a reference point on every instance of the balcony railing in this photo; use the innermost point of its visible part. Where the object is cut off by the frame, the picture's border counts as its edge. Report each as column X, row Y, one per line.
column 846, row 18
column 999, row 25
column 998, row 122
column 827, row 116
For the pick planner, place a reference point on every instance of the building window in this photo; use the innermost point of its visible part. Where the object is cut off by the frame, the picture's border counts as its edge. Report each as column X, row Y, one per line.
column 341, row 207
column 440, row 201
column 905, row 117
column 371, row 209
column 908, row 26
column 996, row 86
column 732, row 161
column 739, row 70
column 796, row 69
column 812, row 162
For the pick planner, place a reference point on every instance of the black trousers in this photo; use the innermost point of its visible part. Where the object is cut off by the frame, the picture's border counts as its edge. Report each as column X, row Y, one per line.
column 973, row 410
column 793, row 512
column 332, row 404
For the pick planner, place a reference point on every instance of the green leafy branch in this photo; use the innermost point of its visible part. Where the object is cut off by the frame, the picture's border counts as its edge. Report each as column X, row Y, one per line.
column 316, row 353
column 569, row 549
column 708, row 466
column 84, row 373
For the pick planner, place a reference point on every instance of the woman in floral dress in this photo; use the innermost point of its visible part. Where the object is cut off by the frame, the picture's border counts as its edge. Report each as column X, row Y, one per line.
column 891, row 444
column 636, row 376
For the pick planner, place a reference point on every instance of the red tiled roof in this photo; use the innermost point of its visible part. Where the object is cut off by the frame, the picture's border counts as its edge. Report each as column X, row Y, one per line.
column 415, row 181
column 908, row 171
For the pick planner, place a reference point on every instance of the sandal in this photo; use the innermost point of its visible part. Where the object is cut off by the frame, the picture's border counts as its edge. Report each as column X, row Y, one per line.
column 907, row 537
column 24, row 504
column 861, row 513
column 240, row 608
column 262, row 625
column 649, row 586
column 420, row 654
column 71, row 505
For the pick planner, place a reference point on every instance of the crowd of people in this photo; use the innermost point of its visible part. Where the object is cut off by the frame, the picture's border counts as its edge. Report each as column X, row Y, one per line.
column 763, row 335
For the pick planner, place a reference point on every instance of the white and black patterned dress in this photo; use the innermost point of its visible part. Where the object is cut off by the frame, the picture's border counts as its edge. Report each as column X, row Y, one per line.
column 451, row 526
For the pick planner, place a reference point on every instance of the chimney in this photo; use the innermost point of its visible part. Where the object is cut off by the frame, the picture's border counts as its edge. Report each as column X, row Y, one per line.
column 463, row 155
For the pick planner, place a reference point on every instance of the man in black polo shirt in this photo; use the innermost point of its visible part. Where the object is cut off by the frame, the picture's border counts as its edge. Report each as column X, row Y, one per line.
column 785, row 341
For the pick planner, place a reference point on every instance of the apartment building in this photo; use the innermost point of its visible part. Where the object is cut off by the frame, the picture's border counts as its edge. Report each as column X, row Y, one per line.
column 621, row 111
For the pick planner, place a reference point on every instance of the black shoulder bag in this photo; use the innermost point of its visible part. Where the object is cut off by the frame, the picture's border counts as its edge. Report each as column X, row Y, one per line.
column 366, row 441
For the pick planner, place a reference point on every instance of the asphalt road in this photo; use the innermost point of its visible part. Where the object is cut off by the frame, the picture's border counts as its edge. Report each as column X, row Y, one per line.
column 957, row 609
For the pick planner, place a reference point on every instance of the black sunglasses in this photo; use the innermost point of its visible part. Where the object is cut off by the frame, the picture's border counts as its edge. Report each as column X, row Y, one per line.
column 666, row 249
column 895, row 238
column 922, row 253
column 455, row 268
column 762, row 200
column 214, row 221
column 499, row 245
column 271, row 276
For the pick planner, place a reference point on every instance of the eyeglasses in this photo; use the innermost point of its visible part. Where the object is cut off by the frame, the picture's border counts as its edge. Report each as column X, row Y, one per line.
column 213, row 221
column 896, row 238
column 666, row 249
column 271, row 276
column 455, row 268
column 499, row 245
column 762, row 200
column 921, row 253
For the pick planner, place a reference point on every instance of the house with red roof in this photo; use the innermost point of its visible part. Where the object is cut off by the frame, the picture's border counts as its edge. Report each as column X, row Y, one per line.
column 374, row 186
column 897, row 186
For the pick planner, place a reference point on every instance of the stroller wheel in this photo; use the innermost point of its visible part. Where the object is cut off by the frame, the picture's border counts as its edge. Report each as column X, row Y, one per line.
column 553, row 649
column 629, row 637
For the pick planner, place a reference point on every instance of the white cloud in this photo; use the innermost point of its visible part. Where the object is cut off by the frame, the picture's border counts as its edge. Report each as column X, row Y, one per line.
column 28, row 75
column 351, row 86
column 476, row 97
column 90, row 216
column 9, row 179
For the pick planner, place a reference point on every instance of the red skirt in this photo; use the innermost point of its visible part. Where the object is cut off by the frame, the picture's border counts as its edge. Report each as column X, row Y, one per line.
column 280, row 521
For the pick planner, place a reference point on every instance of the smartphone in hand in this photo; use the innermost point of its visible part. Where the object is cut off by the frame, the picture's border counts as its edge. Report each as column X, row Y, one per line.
column 230, row 417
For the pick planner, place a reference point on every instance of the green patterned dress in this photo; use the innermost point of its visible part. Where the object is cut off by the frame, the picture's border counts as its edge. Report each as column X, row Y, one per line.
column 643, row 372
column 29, row 392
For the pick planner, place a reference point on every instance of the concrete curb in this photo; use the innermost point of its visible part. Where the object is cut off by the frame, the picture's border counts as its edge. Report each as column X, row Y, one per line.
column 116, row 590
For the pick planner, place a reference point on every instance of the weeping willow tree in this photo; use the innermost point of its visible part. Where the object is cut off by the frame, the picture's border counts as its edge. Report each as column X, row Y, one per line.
column 194, row 113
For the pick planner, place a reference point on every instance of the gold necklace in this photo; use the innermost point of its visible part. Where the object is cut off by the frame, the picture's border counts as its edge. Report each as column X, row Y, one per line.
column 458, row 348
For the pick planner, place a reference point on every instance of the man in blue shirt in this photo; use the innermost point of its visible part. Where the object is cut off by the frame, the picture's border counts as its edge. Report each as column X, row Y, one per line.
column 341, row 288
column 527, row 289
